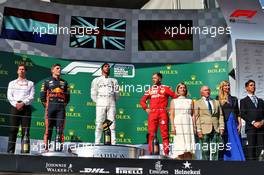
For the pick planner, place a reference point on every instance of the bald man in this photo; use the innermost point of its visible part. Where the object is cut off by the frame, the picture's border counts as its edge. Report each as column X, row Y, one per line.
column 209, row 124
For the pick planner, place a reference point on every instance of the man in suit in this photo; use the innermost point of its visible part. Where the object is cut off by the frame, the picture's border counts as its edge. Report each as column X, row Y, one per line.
column 209, row 124
column 252, row 111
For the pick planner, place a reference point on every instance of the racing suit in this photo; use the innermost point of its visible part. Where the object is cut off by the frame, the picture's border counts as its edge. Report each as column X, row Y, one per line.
column 55, row 96
column 158, row 96
column 105, row 93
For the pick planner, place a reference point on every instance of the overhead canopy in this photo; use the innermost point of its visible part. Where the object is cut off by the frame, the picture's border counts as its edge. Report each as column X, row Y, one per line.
column 143, row 4
column 174, row 4
column 128, row 4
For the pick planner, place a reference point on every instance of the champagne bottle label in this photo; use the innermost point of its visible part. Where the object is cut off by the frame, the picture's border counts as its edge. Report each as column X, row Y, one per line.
column 107, row 138
column 25, row 147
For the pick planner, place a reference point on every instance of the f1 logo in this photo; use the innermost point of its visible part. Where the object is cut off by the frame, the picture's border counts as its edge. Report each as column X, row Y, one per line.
column 249, row 14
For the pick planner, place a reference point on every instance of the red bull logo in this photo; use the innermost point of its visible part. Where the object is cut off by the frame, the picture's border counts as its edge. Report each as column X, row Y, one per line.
column 57, row 90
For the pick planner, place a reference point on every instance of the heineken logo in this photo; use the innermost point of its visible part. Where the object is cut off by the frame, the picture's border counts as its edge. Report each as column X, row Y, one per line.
column 187, row 169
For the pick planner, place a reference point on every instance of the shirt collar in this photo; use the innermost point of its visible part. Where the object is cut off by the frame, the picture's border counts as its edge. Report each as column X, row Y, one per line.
column 251, row 95
column 205, row 98
column 21, row 79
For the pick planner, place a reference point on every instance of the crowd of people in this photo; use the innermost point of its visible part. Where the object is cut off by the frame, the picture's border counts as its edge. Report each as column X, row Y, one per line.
column 205, row 121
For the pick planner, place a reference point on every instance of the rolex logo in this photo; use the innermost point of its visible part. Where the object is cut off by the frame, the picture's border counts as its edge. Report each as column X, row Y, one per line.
column 168, row 66
column 72, row 86
column 71, row 133
column 216, row 66
column 193, row 77
column 24, row 57
column 146, row 123
column 121, row 134
column 121, row 111
column 71, row 109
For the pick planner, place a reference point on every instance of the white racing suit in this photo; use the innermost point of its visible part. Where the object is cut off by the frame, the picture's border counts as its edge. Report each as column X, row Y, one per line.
column 105, row 92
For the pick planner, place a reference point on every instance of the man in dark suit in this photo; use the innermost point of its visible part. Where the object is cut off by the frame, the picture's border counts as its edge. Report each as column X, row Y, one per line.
column 252, row 111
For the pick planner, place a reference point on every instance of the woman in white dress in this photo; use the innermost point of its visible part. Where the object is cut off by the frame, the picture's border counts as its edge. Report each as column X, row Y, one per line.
column 181, row 110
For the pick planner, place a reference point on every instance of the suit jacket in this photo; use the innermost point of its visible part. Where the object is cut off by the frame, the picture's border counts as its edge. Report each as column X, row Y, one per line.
column 249, row 112
column 232, row 106
column 205, row 121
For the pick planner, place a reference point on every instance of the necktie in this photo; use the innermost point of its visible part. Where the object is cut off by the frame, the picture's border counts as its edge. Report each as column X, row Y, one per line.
column 255, row 101
column 209, row 106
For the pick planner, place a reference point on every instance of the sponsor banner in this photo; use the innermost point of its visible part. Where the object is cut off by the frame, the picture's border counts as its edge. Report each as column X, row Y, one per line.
column 134, row 80
column 79, row 165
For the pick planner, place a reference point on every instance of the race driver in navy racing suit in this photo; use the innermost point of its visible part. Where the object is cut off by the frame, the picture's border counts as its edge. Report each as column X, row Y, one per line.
column 55, row 96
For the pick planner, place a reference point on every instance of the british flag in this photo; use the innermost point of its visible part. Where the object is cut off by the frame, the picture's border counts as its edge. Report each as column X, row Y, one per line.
column 105, row 34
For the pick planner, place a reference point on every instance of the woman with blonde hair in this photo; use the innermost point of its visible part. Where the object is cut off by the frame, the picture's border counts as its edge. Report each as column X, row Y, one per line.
column 181, row 110
column 230, row 110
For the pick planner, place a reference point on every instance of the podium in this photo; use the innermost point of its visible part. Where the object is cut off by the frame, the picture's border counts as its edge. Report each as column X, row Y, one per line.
column 109, row 151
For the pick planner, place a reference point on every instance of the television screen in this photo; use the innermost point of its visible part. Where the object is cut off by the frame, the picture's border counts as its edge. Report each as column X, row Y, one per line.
column 98, row 33
column 162, row 35
column 31, row 26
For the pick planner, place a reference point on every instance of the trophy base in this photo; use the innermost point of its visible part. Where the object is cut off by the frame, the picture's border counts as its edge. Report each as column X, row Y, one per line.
column 153, row 157
column 108, row 151
column 58, row 154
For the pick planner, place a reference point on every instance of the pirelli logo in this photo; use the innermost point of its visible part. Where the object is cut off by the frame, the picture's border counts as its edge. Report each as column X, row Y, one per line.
column 128, row 170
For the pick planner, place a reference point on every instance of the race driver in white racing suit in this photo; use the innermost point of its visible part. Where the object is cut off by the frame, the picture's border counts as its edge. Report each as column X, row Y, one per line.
column 105, row 93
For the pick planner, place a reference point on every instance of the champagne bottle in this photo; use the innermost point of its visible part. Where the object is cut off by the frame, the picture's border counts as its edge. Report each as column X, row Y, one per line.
column 25, row 143
column 58, row 146
column 261, row 156
column 107, row 137
column 155, row 145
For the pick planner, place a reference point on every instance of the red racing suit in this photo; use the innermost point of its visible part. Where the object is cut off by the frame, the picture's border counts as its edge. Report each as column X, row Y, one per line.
column 158, row 96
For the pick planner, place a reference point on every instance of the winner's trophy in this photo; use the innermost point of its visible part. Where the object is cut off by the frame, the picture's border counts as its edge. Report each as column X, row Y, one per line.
column 107, row 132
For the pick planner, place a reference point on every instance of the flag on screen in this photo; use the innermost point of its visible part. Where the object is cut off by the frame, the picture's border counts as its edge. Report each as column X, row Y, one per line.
column 153, row 36
column 26, row 25
column 106, row 34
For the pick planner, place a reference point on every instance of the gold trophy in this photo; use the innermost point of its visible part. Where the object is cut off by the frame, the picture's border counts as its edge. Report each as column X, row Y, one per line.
column 107, row 133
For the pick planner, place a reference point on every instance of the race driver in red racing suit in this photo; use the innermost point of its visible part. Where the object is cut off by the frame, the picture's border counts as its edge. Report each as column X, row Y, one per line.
column 158, row 96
